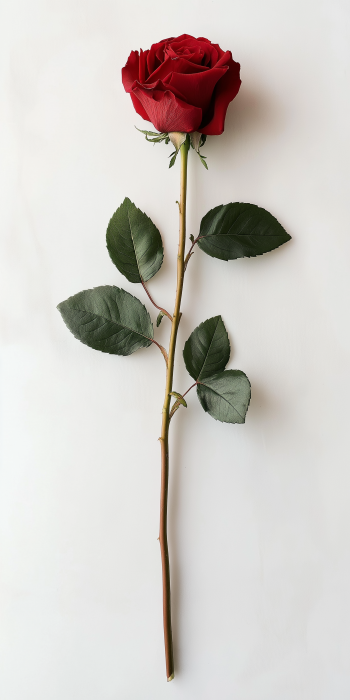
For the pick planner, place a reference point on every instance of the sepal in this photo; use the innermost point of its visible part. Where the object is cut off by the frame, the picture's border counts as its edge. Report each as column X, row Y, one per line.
column 177, row 138
column 197, row 141
column 157, row 137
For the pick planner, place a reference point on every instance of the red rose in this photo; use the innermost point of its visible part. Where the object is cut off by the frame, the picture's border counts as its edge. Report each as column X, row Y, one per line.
column 183, row 84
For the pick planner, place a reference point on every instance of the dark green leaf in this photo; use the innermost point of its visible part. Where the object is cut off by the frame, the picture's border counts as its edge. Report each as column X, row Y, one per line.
column 238, row 230
column 225, row 396
column 159, row 318
column 179, row 398
column 134, row 243
column 108, row 319
column 207, row 350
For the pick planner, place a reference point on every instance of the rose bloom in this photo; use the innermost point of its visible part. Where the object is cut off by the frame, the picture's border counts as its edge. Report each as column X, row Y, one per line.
column 183, row 84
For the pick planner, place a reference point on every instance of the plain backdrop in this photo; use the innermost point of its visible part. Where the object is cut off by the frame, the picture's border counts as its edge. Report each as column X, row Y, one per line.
column 259, row 514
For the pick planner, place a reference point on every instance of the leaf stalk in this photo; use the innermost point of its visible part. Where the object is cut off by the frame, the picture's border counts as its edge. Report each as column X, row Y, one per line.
column 154, row 303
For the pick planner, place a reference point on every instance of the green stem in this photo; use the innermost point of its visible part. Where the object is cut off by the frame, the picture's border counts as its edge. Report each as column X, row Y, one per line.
column 164, row 439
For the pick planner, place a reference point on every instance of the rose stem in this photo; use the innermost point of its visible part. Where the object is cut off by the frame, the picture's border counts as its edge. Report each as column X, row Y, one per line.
column 164, row 439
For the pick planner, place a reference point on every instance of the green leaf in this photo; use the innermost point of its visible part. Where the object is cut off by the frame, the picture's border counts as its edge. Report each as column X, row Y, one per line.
column 159, row 318
column 238, row 230
column 225, row 396
column 134, row 243
column 108, row 319
column 207, row 350
column 179, row 398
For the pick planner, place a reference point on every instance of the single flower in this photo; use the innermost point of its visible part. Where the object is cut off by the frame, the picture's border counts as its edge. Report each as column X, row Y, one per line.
column 182, row 84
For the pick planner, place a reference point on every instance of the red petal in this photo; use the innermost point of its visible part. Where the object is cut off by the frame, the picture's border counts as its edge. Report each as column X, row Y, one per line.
column 138, row 107
column 225, row 91
column 160, row 86
column 202, row 38
column 216, row 52
column 183, row 37
column 197, row 89
column 190, row 54
column 143, row 71
column 220, row 51
column 174, row 65
column 166, row 111
column 152, row 59
column 225, row 59
column 130, row 72
column 197, row 46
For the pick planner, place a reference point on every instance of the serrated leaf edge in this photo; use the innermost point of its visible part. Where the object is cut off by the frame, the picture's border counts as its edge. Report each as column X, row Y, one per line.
column 222, row 397
column 108, row 320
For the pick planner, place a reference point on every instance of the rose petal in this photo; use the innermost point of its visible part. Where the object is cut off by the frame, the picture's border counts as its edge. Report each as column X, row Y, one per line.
column 138, row 107
column 192, row 55
column 215, row 49
column 174, row 65
column 182, row 37
column 224, row 59
column 160, row 86
column 166, row 111
column 197, row 88
column 152, row 60
column 190, row 43
column 226, row 89
column 219, row 50
column 130, row 72
column 143, row 70
column 211, row 52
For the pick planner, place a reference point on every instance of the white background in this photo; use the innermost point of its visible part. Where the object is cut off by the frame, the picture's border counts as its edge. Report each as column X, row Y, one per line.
column 259, row 513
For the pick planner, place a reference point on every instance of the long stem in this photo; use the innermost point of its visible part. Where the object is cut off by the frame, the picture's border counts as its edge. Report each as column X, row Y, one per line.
column 164, row 439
